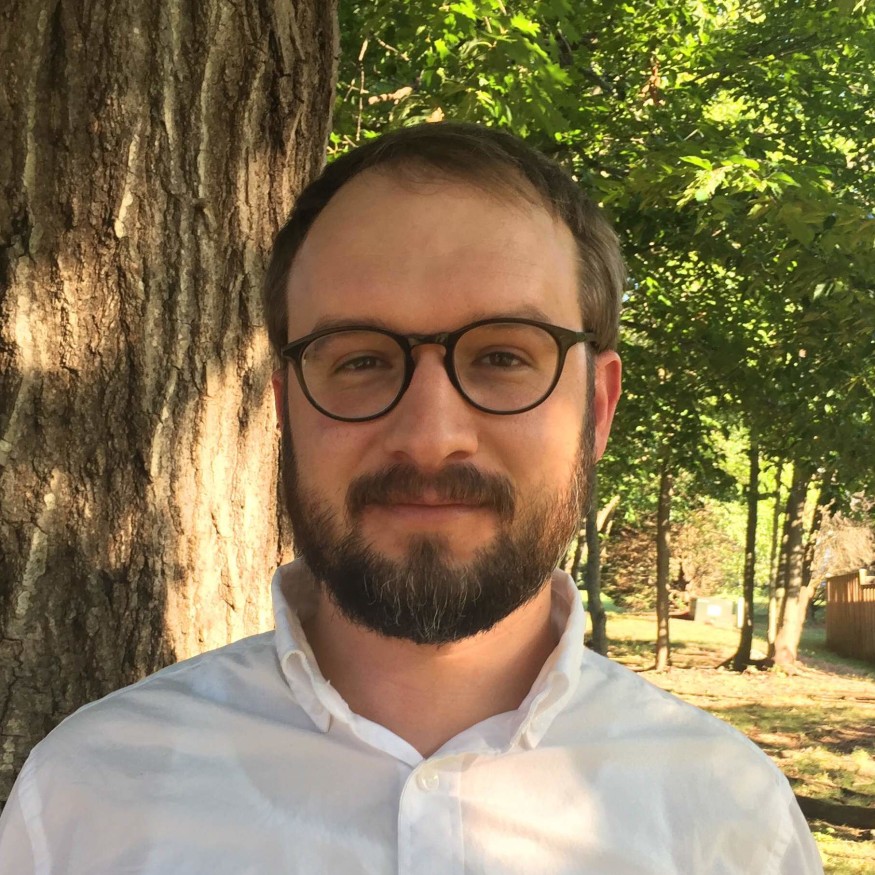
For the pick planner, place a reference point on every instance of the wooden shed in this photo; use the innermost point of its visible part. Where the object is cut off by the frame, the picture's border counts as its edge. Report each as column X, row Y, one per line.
column 850, row 614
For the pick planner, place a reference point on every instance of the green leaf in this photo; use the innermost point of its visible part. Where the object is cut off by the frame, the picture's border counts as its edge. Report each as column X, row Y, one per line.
column 524, row 25
column 697, row 161
column 465, row 8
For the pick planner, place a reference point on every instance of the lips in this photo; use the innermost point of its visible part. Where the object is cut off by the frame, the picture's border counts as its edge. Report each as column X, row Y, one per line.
column 427, row 514
column 458, row 487
column 428, row 501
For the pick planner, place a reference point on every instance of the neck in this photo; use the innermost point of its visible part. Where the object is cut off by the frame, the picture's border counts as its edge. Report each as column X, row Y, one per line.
column 428, row 694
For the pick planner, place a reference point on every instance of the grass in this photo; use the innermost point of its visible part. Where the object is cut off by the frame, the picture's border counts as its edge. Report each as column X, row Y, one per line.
column 813, row 647
column 816, row 723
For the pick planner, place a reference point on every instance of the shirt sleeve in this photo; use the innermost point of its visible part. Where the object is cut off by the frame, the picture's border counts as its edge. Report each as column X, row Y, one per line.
column 17, row 854
column 800, row 856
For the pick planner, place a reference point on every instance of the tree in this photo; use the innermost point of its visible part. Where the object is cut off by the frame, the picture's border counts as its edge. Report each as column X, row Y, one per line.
column 663, row 554
column 792, row 609
column 149, row 152
column 595, row 522
column 586, row 550
column 742, row 655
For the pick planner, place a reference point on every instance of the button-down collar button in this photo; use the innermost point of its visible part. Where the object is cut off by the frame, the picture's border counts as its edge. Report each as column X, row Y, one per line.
column 428, row 780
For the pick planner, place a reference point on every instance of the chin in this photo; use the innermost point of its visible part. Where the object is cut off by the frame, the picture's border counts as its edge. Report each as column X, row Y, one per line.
column 400, row 548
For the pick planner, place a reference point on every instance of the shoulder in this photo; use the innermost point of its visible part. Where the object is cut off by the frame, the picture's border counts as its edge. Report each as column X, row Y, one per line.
column 689, row 753
column 242, row 678
column 626, row 704
column 152, row 768
column 211, row 675
column 676, row 770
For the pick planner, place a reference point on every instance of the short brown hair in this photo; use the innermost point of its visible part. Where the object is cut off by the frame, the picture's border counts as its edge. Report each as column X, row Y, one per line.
column 485, row 157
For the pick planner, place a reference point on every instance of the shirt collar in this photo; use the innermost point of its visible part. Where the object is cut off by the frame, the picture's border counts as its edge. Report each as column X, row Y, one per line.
column 294, row 594
column 560, row 675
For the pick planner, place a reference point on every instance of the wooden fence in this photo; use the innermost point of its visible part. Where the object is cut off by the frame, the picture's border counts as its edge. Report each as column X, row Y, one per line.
column 850, row 615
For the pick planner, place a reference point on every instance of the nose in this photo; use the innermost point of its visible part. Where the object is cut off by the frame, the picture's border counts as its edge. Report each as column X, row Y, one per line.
column 432, row 425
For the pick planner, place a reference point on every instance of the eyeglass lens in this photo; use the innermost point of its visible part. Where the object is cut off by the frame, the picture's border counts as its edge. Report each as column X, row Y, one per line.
column 502, row 367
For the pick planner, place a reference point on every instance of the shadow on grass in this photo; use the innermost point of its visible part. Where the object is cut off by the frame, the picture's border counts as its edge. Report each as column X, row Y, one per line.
column 638, row 653
column 777, row 728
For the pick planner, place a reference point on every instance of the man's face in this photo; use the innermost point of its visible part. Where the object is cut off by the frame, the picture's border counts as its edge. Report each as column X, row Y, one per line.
column 437, row 520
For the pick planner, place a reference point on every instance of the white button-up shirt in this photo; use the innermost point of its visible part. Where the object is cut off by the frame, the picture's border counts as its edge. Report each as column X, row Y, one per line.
column 245, row 761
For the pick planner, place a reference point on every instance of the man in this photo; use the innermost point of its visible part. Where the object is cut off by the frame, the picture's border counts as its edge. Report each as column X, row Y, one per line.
column 445, row 304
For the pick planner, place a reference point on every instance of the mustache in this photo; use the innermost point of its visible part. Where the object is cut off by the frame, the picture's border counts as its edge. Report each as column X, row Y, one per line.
column 461, row 483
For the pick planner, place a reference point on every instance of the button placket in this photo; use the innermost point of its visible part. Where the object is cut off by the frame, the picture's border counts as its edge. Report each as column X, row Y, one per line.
column 429, row 822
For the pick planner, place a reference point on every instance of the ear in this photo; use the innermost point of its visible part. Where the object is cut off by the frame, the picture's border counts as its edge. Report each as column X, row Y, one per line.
column 608, row 386
column 278, row 382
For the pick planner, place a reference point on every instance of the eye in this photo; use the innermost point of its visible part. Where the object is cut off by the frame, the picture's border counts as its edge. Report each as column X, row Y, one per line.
column 362, row 363
column 503, row 359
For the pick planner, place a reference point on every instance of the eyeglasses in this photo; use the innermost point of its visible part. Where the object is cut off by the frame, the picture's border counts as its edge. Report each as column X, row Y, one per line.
column 500, row 366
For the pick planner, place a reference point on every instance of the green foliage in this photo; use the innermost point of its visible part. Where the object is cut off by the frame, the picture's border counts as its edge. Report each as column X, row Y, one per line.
column 487, row 61
column 732, row 142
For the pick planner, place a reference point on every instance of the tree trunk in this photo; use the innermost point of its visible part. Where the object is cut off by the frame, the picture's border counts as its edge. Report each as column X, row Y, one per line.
column 663, row 555
column 606, row 516
column 806, row 593
column 775, row 574
column 778, row 602
column 776, row 520
column 149, row 151
column 778, row 593
column 742, row 655
column 820, row 510
column 792, row 614
column 604, row 519
column 599, row 639
column 572, row 566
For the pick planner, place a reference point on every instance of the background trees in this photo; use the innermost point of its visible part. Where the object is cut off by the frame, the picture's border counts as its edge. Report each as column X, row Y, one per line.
column 733, row 144
column 148, row 154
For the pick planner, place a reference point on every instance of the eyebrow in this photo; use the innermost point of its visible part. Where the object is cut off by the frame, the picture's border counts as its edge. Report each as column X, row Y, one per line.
column 331, row 322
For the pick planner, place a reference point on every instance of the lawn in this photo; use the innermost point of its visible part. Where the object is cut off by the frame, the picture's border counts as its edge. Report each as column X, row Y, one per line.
column 817, row 724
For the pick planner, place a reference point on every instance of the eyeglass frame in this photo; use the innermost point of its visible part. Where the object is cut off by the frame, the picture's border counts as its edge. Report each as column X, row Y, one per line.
column 565, row 339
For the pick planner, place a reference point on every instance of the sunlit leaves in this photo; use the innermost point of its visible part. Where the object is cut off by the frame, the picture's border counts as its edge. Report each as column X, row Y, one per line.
column 733, row 144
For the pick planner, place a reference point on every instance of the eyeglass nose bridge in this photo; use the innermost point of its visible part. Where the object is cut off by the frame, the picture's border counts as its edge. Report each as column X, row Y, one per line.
column 446, row 339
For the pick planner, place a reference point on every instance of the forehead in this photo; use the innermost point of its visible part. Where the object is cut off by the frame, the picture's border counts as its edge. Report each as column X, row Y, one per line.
column 430, row 255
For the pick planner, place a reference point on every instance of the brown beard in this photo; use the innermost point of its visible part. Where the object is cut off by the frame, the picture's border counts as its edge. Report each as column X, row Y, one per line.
column 424, row 597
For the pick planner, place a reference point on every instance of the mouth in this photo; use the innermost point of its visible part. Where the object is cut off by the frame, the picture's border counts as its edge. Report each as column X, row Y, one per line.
column 433, row 505
column 426, row 510
column 458, row 492
column 427, row 500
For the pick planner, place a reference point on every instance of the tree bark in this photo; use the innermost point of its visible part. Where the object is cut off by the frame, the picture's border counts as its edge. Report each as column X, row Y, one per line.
column 742, row 656
column 776, row 520
column 149, row 152
column 599, row 639
column 779, row 599
column 792, row 614
column 606, row 516
column 572, row 566
column 774, row 574
column 809, row 586
column 820, row 510
column 663, row 555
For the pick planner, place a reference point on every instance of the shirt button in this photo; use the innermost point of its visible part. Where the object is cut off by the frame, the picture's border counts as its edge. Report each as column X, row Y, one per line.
column 428, row 780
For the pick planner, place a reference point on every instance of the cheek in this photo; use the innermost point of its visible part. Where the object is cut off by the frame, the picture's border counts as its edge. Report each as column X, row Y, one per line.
column 328, row 453
column 545, row 443
column 565, row 410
